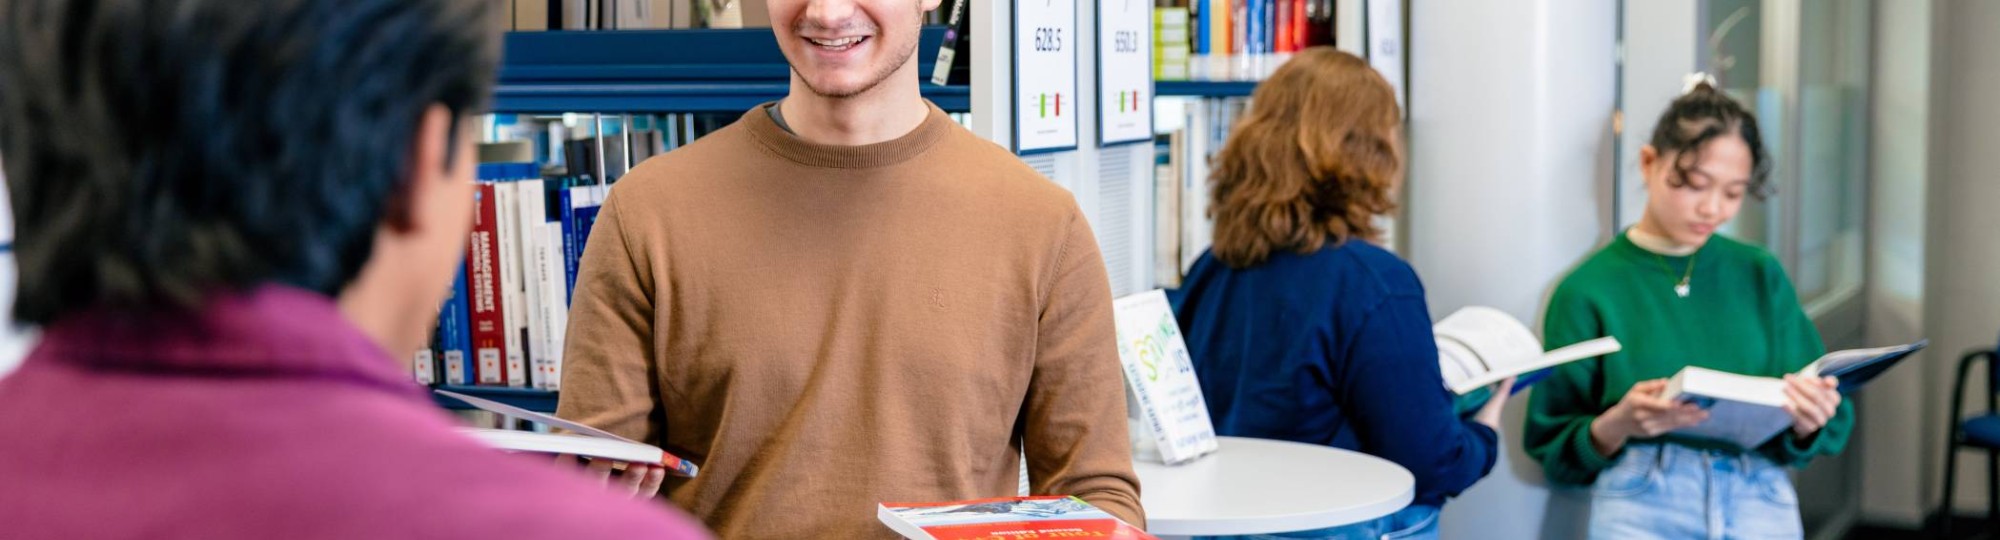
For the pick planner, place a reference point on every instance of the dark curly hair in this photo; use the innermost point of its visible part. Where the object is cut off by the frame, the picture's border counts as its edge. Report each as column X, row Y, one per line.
column 1700, row 116
column 1316, row 159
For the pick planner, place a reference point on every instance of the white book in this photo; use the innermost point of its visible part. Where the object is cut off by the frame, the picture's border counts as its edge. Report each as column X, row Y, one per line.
column 512, row 304
column 1742, row 409
column 1197, row 231
column 1159, row 378
column 1747, row 410
column 531, row 214
column 581, row 440
column 554, row 306
column 1479, row 346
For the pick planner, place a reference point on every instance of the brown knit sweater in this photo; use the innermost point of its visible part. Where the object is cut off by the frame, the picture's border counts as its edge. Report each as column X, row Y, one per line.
column 825, row 328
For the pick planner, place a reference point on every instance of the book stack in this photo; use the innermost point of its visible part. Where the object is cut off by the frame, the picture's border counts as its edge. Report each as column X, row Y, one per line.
column 1172, row 43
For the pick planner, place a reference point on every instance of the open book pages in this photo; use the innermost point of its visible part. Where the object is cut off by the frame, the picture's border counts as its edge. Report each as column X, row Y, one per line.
column 1748, row 410
column 587, row 441
column 1005, row 518
column 1479, row 346
column 1160, row 385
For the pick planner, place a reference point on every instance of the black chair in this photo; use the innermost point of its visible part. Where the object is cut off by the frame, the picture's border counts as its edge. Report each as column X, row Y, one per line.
column 1980, row 432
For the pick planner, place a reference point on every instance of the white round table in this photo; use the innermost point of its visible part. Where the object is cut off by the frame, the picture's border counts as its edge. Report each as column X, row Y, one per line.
column 1257, row 486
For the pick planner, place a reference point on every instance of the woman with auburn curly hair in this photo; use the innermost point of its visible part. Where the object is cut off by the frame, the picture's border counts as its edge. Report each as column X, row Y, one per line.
column 1301, row 327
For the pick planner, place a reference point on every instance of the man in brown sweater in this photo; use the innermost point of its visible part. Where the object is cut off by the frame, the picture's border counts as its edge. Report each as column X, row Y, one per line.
column 845, row 299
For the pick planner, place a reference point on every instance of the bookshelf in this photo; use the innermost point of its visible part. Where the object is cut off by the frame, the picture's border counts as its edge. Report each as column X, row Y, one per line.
column 526, row 398
column 1216, row 89
column 664, row 71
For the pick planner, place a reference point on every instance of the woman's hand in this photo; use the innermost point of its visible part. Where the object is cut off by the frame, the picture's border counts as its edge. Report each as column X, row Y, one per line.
column 1643, row 414
column 1812, row 402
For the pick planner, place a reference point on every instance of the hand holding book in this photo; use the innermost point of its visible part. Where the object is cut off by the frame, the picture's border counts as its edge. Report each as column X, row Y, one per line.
column 1642, row 414
column 1811, row 402
column 637, row 480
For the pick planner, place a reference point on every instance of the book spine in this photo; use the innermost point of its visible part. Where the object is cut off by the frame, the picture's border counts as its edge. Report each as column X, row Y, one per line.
column 555, row 311
column 955, row 34
column 485, row 310
column 515, row 362
column 566, row 218
column 424, row 367
column 1300, row 29
column 453, row 333
column 532, row 214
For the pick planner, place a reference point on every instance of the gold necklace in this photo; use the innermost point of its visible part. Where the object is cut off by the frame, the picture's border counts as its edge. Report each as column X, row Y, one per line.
column 1680, row 288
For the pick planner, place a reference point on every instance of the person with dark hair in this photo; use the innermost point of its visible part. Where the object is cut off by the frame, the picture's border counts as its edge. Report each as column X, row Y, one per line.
column 1301, row 328
column 845, row 298
column 227, row 213
column 1678, row 294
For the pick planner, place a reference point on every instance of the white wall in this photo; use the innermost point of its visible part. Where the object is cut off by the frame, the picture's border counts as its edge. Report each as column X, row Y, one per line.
column 1962, row 279
column 1662, row 40
column 1890, row 437
column 1510, row 113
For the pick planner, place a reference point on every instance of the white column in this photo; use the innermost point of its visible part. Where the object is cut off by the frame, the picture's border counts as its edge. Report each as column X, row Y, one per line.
column 1510, row 186
column 1889, row 439
column 1962, row 279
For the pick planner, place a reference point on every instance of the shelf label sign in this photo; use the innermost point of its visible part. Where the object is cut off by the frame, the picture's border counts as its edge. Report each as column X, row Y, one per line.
column 1124, row 71
column 1044, row 75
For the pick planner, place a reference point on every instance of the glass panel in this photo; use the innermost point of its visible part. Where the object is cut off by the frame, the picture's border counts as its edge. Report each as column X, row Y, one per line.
column 1833, row 107
column 1734, row 47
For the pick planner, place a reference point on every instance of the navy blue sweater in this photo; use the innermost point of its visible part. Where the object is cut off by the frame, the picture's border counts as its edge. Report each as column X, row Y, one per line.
column 1331, row 348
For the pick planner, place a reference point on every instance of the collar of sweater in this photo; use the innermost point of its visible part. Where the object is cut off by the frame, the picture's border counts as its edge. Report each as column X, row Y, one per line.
column 891, row 152
column 1658, row 244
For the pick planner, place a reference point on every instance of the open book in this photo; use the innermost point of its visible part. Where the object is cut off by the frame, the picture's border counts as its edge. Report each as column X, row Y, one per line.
column 1008, row 518
column 585, row 441
column 1747, row 410
column 1479, row 346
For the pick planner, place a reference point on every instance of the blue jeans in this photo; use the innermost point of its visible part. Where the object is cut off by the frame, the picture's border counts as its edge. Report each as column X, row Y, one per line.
column 1416, row 522
column 1669, row 491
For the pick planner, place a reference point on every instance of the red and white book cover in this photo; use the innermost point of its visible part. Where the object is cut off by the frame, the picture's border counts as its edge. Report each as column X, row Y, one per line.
column 482, row 282
column 1006, row 518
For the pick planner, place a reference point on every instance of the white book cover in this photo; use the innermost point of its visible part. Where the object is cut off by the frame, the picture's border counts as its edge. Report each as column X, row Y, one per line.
column 1159, row 377
column 1479, row 346
column 532, row 214
column 512, row 306
column 1742, row 409
column 582, row 440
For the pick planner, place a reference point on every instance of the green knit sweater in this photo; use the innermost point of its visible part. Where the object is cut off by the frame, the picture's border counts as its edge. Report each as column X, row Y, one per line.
column 1742, row 316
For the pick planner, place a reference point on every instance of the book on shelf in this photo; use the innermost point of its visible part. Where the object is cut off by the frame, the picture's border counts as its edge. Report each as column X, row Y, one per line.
column 1005, row 518
column 1747, row 410
column 1479, row 346
column 580, row 440
column 1160, row 384
column 954, row 59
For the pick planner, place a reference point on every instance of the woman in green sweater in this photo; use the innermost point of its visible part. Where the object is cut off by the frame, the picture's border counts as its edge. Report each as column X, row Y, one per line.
column 1677, row 295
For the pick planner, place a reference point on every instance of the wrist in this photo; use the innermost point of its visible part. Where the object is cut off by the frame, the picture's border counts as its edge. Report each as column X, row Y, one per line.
column 1607, row 434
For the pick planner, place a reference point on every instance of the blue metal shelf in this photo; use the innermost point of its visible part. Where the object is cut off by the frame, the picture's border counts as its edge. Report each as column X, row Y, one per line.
column 664, row 71
column 1204, row 88
column 530, row 399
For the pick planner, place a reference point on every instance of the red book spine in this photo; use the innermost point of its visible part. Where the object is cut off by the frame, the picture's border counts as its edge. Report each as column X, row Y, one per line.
column 1300, row 27
column 482, row 281
column 1283, row 28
